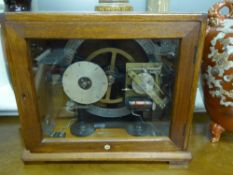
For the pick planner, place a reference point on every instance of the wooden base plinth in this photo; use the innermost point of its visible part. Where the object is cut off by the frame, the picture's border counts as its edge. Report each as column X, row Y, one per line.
column 116, row 156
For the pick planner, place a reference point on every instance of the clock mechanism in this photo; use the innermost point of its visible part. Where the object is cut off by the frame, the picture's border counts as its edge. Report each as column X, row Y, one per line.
column 104, row 84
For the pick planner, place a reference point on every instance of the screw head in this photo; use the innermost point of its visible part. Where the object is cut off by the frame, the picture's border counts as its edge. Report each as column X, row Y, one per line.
column 107, row 147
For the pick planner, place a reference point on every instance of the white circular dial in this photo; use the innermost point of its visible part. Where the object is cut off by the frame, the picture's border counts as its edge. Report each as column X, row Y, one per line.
column 85, row 82
column 146, row 84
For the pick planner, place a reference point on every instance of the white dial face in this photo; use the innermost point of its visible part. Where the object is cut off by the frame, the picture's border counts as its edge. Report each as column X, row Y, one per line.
column 85, row 82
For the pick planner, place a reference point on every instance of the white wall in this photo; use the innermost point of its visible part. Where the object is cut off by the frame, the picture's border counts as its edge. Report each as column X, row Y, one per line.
column 77, row 5
column 66, row 5
column 3, row 72
column 189, row 6
column 7, row 98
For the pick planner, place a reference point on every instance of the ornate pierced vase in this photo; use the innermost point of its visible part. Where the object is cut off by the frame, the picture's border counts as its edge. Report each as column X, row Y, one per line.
column 217, row 71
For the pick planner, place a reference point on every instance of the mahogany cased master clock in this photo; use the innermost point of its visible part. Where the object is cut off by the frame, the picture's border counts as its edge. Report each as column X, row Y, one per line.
column 104, row 87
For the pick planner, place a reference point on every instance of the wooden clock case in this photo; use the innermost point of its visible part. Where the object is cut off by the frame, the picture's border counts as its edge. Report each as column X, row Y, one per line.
column 189, row 28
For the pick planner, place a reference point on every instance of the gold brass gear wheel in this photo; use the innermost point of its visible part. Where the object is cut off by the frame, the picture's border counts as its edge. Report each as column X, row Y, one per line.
column 114, row 53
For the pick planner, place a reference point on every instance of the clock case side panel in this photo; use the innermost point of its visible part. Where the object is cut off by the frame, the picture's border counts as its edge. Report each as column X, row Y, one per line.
column 186, row 84
column 16, row 51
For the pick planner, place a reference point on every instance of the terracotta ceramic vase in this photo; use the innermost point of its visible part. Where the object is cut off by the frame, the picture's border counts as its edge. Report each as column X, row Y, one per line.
column 218, row 69
column 17, row 5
